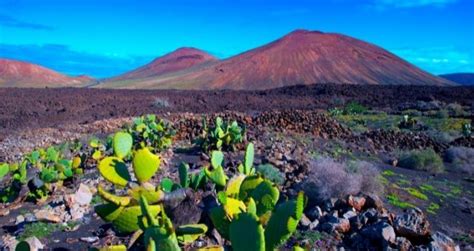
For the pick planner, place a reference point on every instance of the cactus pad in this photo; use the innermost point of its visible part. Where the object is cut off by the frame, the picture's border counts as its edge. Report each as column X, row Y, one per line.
column 109, row 211
column 122, row 144
column 127, row 221
column 145, row 164
column 284, row 221
column 114, row 170
column 112, row 198
column 246, row 233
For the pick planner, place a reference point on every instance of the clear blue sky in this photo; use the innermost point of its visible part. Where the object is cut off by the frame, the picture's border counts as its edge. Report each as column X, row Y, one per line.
column 106, row 37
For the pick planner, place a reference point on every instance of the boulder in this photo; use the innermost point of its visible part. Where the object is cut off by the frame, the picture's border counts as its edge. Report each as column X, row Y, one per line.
column 332, row 224
column 315, row 213
column 403, row 244
column 34, row 243
column 412, row 224
column 356, row 202
column 380, row 233
column 442, row 242
column 373, row 201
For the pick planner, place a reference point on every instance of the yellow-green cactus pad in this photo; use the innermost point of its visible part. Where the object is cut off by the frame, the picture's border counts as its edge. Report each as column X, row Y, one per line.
column 108, row 212
column 117, row 200
column 127, row 221
column 114, row 170
column 233, row 186
column 233, row 207
column 187, row 234
column 248, row 185
column 152, row 194
column 145, row 164
column 122, row 144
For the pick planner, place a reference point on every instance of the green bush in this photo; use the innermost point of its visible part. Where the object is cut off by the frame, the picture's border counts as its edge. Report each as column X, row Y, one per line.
column 224, row 134
column 272, row 173
column 442, row 114
column 354, row 108
column 425, row 160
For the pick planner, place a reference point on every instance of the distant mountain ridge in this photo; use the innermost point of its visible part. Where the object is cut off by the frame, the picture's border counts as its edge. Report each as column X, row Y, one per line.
column 460, row 78
column 301, row 57
column 14, row 73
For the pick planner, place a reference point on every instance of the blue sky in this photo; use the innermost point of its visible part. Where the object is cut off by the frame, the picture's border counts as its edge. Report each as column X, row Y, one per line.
column 107, row 37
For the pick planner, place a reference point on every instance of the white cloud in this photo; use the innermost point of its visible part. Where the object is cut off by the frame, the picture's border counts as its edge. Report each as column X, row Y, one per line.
column 439, row 60
column 383, row 4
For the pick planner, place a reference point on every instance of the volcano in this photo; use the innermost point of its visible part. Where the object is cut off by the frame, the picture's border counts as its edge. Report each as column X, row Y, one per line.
column 300, row 58
column 15, row 73
column 180, row 59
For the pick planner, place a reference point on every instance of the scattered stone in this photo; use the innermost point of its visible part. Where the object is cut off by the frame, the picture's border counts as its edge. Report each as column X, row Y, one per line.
column 19, row 219
column 305, row 222
column 403, row 244
column 8, row 242
column 356, row 202
column 34, row 243
column 90, row 239
column 83, row 195
column 394, row 162
column 412, row 224
column 315, row 213
column 373, row 201
column 4, row 212
column 340, row 225
column 349, row 214
column 442, row 242
column 47, row 215
column 381, row 233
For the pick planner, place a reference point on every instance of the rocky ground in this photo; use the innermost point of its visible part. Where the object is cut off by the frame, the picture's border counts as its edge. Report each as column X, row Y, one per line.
column 409, row 208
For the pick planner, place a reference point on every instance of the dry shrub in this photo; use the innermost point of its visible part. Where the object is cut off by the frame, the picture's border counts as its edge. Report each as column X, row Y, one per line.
column 462, row 158
column 423, row 160
column 328, row 178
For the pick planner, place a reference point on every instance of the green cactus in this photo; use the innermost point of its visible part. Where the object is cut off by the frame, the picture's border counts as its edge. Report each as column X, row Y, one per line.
column 283, row 222
column 197, row 180
column 158, row 233
column 4, row 169
column 187, row 234
column 114, row 170
column 183, row 170
column 123, row 211
column 266, row 196
column 224, row 135
column 145, row 164
column 247, row 167
column 122, row 144
column 217, row 175
column 246, row 233
column 150, row 132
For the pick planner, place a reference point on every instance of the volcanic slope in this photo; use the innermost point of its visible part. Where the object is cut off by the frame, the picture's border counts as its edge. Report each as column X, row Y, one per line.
column 300, row 58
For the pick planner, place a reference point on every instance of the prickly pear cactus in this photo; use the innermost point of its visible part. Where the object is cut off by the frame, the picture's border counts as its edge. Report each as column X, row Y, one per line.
column 265, row 195
column 247, row 167
column 246, row 233
column 187, row 234
column 114, row 170
column 145, row 164
column 283, row 222
column 4, row 169
column 123, row 211
column 158, row 233
column 183, row 170
column 217, row 175
column 122, row 144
